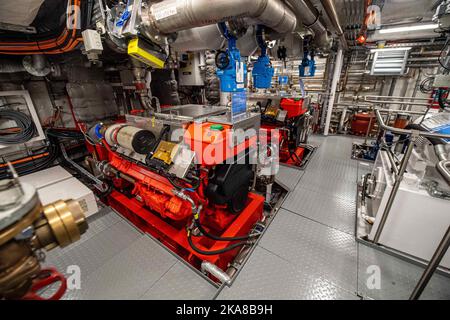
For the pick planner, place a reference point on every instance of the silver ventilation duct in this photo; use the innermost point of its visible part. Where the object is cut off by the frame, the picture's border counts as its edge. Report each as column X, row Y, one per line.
column 170, row 16
column 199, row 39
column 210, row 38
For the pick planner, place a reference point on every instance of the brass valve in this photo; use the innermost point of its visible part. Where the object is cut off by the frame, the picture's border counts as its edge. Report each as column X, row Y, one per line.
column 26, row 227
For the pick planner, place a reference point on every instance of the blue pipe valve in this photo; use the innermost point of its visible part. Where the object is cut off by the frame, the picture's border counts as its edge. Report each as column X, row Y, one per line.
column 262, row 73
column 308, row 66
column 231, row 71
column 262, row 69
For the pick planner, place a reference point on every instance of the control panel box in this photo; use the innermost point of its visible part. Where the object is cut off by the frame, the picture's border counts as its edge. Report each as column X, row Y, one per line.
column 190, row 73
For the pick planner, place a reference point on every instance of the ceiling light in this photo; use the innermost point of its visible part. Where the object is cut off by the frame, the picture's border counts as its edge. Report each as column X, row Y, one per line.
column 390, row 49
column 410, row 28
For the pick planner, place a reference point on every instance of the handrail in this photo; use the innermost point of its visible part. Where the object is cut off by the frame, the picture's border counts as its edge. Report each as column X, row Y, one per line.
column 370, row 106
column 432, row 266
column 397, row 97
column 414, row 134
column 408, row 132
column 374, row 99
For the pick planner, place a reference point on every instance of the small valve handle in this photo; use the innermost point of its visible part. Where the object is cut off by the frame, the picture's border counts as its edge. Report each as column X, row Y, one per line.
column 222, row 60
column 45, row 278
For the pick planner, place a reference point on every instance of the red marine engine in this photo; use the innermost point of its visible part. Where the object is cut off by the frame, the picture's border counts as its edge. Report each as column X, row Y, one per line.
column 289, row 123
column 193, row 195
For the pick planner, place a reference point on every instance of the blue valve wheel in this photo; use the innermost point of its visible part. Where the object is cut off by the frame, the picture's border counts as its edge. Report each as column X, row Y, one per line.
column 222, row 60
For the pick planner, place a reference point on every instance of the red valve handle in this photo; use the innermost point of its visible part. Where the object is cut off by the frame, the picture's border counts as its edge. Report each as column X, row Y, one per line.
column 45, row 278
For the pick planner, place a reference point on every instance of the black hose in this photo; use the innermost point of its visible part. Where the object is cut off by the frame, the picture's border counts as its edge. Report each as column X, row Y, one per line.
column 214, row 237
column 23, row 122
column 33, row 165
column 54, row 136
column 65, row 134
column 212, row 253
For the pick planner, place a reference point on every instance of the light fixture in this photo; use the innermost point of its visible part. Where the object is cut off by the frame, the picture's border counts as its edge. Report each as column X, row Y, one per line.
column 415, row 27
column 361, row 39
column 390, row 49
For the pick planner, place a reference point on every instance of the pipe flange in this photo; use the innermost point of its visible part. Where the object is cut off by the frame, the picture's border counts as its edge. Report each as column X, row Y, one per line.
column 66, row 221
column 34, row 69
column 19, row 204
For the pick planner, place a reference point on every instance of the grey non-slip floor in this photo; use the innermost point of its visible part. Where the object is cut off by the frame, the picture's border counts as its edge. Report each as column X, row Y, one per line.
column 308, row 251
column 116, row 261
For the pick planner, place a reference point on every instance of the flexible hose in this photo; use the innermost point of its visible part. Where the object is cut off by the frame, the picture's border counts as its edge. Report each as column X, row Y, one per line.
column 33, row 165
column 212, row 253
column 214, row 237
column 23, row 122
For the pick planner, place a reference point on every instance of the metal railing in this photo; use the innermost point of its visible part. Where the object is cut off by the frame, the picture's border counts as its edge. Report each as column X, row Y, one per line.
column 432, row 266
column 409, row 101
column 414, row 134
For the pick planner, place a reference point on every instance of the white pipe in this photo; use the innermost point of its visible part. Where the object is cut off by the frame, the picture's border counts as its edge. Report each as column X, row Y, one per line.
column 336, row 78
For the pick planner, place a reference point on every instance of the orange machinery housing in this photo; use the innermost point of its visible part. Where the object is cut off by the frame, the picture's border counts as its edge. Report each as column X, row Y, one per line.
column 285, row 132
column 150, row 199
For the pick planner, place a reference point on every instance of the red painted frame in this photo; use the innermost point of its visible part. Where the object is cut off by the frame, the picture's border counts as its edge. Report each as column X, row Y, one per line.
column 175, row 238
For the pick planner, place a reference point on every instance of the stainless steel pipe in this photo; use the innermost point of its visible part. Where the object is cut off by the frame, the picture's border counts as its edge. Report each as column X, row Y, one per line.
column 393, row 194
column 414, row 135
column 172, row 15
column 331, row 11
column 408, row 132
column 444, row 169
column 432, row 266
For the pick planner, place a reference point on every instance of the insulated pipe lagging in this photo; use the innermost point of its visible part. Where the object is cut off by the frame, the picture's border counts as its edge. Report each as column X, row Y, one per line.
column 172, row 15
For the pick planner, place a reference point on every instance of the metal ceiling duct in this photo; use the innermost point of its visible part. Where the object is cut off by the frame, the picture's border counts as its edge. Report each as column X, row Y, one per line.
column 309, row 16
column 198, row 39
column 331, row 11
column 210, row 38
column 171, row 15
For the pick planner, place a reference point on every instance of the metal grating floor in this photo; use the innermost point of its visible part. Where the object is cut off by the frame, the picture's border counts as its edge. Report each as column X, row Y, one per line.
column 307, row 252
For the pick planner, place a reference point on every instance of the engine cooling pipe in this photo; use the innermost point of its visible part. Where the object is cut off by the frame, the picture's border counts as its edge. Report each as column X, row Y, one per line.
column 170, row 16
column 310, row 17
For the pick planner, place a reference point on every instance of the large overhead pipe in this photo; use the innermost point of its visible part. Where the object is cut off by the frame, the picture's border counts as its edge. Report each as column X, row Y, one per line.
column 330, row 9
column 310, row 19
column 9, row 66
column 197, row 39
column 210, row 38
column 170, row 16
